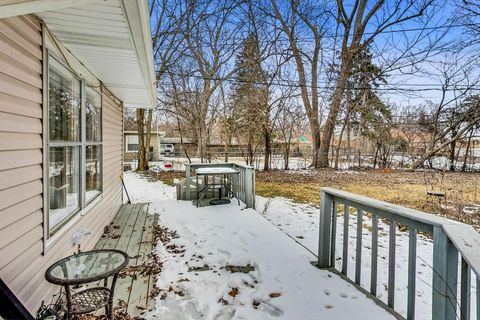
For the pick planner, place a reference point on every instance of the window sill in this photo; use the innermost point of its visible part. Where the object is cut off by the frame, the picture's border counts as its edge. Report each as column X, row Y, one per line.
column 60, row 234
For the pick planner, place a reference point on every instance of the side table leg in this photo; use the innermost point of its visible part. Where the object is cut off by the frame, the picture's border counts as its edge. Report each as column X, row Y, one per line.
column 110, row 299
column 69, row 302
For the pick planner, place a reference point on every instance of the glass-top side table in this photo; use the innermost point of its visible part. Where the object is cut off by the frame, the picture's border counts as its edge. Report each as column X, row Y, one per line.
column 86, row 267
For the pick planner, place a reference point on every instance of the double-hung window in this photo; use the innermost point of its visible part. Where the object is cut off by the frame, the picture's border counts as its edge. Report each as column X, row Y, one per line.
column 74, row 144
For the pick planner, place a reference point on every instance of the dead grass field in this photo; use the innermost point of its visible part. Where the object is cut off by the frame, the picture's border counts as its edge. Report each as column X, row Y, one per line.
column 461, row 201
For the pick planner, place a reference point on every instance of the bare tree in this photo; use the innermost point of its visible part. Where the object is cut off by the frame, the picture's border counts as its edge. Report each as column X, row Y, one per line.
column 457, row 112
column 165, row 45
column 210, row 33
column 355, row 21
column 307, row 61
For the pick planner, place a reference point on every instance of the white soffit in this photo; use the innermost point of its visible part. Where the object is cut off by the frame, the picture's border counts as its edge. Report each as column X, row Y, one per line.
column 112, row 39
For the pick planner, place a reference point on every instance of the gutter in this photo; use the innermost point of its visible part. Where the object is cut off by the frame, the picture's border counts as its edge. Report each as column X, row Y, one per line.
column 138, row 20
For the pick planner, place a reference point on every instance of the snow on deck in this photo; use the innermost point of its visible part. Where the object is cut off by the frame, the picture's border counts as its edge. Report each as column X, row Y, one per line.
column 284, row 284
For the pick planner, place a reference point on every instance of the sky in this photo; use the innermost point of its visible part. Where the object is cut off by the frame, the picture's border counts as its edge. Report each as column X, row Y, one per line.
column 410, row 85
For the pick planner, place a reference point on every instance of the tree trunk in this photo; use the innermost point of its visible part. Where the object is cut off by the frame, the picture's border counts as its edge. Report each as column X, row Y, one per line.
column 322, row 161
column 339, row 144
column 286, row 156
column 268, row 149
column 467, row 151
column 226, row 149
column 452, row 156
column 143, row 138
column 315, row 128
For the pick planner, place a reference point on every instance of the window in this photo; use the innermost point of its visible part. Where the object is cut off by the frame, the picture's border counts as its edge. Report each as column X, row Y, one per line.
column 131, row 143
column 93, row 145
column 74, row 144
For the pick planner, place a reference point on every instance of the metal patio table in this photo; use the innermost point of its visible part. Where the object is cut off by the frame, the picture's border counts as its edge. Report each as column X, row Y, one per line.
column 226, row 174
column 83, row 268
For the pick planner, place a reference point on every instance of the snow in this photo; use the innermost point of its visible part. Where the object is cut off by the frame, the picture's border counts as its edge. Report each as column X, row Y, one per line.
column 300, row 221
column 217, row 236
column 58, row 215
column 142, row 190
column 280, row 241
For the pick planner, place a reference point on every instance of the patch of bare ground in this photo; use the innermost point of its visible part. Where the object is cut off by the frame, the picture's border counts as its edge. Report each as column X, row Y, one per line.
column 166, row 176
column 461, row 201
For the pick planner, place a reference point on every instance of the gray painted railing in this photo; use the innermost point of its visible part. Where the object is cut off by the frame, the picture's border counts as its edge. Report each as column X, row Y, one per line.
column 244, row 186
column 451, row 239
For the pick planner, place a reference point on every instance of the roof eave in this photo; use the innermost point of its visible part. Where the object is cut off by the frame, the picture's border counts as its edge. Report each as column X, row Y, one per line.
column 138, row 18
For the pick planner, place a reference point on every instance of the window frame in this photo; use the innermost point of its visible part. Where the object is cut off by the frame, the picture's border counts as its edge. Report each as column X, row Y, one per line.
column 49, row 231
column 85, row 143
column 127, row 149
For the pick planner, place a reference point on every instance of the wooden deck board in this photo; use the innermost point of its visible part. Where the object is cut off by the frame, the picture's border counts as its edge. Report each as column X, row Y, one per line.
column 152, row 279
column 124, row 285
column 131, row 231
column 140, row 287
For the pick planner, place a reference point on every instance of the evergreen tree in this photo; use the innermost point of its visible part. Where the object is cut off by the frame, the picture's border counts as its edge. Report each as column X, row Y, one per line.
column 249, row 97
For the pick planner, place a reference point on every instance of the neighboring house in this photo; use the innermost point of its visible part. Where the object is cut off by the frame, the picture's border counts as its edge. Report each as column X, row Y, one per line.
column 67, row 68
column 131, row 146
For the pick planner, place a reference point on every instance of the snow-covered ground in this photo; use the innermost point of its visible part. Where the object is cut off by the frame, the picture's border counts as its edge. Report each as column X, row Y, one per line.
column 196, row 284
column 283, row 283
column 301, row 221
column 279, row 241
column 141, row 190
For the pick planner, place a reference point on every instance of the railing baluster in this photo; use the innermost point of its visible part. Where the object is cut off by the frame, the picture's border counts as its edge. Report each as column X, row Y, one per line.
column 391, row 265
column 445, row 269
column 334, row 235
column 358, row 256
column 412, row 270
column 465, row 291
column 374, row 257
column 345, row 239
column 324, row 239
column 478, row 298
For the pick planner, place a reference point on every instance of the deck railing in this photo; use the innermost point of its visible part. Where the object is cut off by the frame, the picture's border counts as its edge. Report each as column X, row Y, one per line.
column 243, row 189
column 451, row 239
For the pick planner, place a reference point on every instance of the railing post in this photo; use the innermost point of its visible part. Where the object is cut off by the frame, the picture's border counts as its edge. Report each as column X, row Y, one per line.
column 250, row 187
column 187, row 181
column 325, row 235
column 445, row 272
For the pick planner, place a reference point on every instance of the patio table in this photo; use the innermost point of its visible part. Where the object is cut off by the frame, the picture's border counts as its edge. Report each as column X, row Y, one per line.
column 225, row 173
column 87, row 267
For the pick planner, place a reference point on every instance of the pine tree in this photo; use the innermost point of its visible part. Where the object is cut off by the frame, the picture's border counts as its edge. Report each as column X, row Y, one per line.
column 249, row 97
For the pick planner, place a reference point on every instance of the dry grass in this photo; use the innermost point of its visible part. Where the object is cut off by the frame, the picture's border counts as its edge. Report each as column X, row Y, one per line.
column 403, row 188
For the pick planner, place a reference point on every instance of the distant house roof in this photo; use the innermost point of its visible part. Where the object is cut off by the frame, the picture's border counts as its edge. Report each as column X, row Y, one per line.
column 111, row 38
column 303, row 138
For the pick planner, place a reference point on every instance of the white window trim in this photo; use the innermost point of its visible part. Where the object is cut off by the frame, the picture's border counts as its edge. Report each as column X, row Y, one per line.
column 50, row 236
column 127, row 150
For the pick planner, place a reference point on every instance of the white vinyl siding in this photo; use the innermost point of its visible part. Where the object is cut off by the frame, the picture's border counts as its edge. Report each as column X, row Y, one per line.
column 24, row 259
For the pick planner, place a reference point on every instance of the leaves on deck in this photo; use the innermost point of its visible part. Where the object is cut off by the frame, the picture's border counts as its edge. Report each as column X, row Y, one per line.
column 234, row 292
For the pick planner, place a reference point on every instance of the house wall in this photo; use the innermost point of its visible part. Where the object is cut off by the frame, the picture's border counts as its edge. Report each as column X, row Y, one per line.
column 132, row 155
column 24, row 252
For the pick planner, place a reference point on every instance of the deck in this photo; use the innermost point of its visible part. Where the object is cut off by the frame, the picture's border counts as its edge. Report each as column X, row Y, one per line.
column 132, row 231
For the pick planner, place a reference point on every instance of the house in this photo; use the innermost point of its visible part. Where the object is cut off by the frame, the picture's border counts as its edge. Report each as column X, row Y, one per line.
column 67, row 68
column 131, row 146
